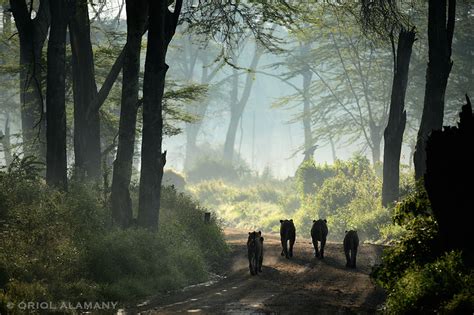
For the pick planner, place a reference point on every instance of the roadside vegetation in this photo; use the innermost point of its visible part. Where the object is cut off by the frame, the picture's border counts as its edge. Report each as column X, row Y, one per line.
column 61, row 246
column 418, row 275
column 347, row 194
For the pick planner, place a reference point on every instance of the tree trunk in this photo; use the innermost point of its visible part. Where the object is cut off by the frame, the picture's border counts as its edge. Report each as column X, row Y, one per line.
column 234, row 118
column 162, row 26
column 440, row 37
column 32, row 34
column 5, row 141
column 7, row 19
column 56, row 162
column 308, row 136
column 192, row 129
column 333, row 149
column 86, row 122
column 121, row 202
column 231, row 136
column 237, row 107
column 449, row 170
column 393, row 134
column 192, row 132
column 376, row 141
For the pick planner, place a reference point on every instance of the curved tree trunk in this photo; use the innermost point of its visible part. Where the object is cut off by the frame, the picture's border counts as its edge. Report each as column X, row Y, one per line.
column 440, row 37
column 56, row 162
column 121, row 202
column 393, row 134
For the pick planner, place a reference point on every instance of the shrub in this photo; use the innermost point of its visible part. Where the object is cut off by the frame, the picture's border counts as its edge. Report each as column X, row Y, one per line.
column 418, row 245
column 61, row 245
column 441, row 285
column 309, row 176
column 418, row 275
column 208, row 169
column 173, row 178
column 259, row 206
column 129, row 264
column 347, row 203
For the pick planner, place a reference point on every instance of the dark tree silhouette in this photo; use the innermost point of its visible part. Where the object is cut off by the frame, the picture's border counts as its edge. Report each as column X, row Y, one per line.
column 86, row 122
column 56, row 162
column 440, row 38
column 448, row 181
column 32, row 33
column 393, row 134
column 162, row 26
column 137, row 15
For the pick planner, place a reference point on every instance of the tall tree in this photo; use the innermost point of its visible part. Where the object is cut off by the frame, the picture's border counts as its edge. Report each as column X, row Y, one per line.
column 441, row 20
column 162, row 26
column 137, row 15
column 86, row 121
column 237, row 105
column 199, row 109
column 32, row 33
column 56, row 161
column 393, row 134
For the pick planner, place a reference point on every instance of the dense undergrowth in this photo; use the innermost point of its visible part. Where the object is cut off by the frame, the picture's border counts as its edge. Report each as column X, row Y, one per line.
column 419, row 276
column 61, row 246
column 347, row 194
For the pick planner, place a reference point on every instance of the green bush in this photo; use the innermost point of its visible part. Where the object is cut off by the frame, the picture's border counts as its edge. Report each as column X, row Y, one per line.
column 443, row 285
column 61, row 245
column 129, row 264
column 259, row 206
column 419, row 244
column 347, row 194
column 173, row 178
column 418, row 276
column 348, row 200
column 210, row 168
column 309, row 176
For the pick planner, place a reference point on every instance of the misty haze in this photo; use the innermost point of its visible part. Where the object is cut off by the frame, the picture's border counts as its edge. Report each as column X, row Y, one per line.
column 236, row 157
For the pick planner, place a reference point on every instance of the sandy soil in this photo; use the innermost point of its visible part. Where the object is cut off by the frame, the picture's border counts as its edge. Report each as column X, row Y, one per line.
column 300, row 285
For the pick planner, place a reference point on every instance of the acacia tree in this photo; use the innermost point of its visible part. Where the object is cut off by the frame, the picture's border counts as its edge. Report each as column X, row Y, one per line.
column 299, row 65
column 237, row 104
column 348, row 92
column 197, row 65
column 441, row 20
column 381, row 21
column 393, row 134
column 120, row 198
column 162, row 26
column 32, row 32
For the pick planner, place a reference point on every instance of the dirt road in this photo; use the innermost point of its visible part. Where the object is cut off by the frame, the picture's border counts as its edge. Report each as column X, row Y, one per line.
column 301, row 285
